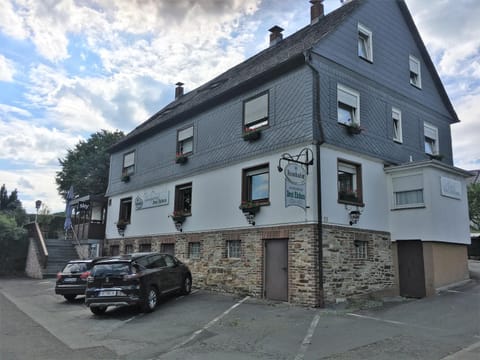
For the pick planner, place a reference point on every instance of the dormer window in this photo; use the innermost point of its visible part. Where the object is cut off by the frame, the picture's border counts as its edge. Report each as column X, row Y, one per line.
column 185, row 141
column 255, row 112
column 348, row 106
column 365, row 48
column 415, row 73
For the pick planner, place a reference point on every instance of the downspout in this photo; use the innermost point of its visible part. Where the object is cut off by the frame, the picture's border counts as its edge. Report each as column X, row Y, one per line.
column 318, row 140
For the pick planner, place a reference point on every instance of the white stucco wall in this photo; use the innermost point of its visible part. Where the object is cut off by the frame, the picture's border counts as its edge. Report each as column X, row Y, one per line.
column 216, row 196
column 442, row 219
column 374, row 214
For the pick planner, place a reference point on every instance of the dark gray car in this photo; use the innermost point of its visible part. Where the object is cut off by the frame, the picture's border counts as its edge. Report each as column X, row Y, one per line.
column 135, row 279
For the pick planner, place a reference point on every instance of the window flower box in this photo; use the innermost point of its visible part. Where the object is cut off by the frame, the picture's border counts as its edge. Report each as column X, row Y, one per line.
column 251, row 135
column 249, row 207
column 178, row 217
column 353, row 129
column 122, row 224
column 126, row 178
column 438, row 157
column 181, row 158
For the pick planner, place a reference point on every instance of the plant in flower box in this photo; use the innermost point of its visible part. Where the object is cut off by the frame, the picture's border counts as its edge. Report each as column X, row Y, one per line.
column 122, row 224
column 354, row 128
column 251, row 134
column 249, row 206
column 181, row 158
column 178, row 216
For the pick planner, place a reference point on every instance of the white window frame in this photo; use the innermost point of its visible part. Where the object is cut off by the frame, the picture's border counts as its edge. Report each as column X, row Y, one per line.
column 415, row 72
column 128, row 167
column 234, row 249
column 185, row 141
column 361, row 249
column 365, row 40
column 409, row 187
column 256, row 112
column 431, row 132
column 348, row 99
column 397, row 125
column 194, row 250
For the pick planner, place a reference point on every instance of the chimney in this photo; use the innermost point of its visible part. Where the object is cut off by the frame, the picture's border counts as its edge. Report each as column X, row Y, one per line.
column 316, row 11
column 178, row 90
column 275, row 35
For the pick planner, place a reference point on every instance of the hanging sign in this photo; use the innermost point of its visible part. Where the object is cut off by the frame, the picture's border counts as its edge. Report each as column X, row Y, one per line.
column 151, row 199
column 83, row 205
column 295, row 185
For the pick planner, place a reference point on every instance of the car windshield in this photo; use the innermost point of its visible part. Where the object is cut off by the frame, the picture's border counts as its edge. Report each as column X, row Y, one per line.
column 75, row 268
column 111, row 269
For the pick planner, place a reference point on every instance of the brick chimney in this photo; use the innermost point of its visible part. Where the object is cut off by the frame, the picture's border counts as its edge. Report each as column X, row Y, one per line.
column 316, row 11
column 275, row 35
column 178, row 90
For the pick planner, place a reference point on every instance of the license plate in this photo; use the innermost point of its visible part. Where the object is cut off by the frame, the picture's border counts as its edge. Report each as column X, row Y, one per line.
column 107, row 293
column 69, row 280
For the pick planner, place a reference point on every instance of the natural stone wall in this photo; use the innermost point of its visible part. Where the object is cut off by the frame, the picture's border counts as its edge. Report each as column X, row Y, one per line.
column 346, row 276
column 32, row 266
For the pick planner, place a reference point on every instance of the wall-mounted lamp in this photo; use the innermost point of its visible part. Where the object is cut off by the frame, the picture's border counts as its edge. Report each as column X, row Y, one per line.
column 305, row 157
column 354, row 216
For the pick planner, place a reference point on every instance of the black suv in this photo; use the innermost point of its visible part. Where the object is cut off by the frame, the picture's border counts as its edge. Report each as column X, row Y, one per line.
column 135, row 279
column 72, row 280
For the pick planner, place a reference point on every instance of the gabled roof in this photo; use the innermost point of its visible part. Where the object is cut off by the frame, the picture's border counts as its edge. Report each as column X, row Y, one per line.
column 286, row 54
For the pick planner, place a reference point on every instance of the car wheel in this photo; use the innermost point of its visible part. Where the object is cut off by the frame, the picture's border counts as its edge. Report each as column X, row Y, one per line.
column 151, row 300
column 187, row 285
column 98, row 310
column 70, row 297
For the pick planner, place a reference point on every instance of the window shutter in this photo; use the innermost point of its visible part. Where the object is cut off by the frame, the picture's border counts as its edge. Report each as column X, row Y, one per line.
column 430, row 132
column 347, row 98
column 414, row 65
column 407, row 183
column 256, row 109
column 129, row 159
column 185, row 133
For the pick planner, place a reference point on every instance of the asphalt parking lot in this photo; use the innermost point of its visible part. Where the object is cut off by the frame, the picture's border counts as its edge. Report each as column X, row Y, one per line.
column 206, row 325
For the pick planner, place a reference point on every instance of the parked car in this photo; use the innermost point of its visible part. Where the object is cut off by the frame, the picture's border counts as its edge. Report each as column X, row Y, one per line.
column 135, row 279
column 72, row 280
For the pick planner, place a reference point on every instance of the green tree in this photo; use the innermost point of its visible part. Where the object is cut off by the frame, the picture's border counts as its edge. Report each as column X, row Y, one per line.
column 12, row 206
column 13, row 245
column 474, row 204
column 86, row 166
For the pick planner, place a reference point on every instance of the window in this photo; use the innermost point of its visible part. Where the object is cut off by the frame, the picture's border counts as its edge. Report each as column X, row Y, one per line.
column 183, row 199
column 348, row 108
column 128, row 248
column 128, row 163
column 168, row 249
column 256, row 184
column 114, row 250
column 349, row 177
column 397, row 125
column 194, row 250
column 415, row 74
column 234, row 249
column 431, row 139
column 408, row 191
column 361, row 248
column 365, row 49
column 185, row 141
column 255, row 112
column 145, row 248
column 125, row 210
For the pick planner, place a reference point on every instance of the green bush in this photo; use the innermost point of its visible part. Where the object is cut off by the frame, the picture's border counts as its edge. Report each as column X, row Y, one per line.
column 14, row 245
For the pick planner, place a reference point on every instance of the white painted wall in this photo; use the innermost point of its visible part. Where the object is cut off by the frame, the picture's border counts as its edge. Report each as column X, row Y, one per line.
column 443, row 219
column 375, row 212
column 216, row 196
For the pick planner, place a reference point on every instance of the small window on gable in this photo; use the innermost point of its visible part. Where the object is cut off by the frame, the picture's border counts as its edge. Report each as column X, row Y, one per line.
column 365, row 49
column 185, row 141
column 125, row 210
column 431, row 139
column 397, row 125
column 348, row 108
column 349, row 178
column 256, row 183
column 415, row 73
column 128, row 163
column 255, row 112
column 183, row 199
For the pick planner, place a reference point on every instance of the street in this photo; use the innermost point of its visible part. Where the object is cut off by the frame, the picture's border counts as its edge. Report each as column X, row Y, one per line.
column 37, row 324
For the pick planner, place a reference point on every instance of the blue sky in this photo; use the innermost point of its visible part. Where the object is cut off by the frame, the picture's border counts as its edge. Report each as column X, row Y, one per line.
column 69, row 68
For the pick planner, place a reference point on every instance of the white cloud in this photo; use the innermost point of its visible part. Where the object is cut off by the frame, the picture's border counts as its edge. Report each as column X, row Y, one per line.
column 7, row 69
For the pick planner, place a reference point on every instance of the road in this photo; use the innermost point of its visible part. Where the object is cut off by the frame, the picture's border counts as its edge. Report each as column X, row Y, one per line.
column 37, row 324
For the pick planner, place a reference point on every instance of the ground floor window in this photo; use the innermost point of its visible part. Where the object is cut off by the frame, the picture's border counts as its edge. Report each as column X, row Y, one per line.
column 114, row 250
column 145, row 248
column 361, row 248
column 128, row 248
column 234, row 248
column 194, row 250
column 168, row 249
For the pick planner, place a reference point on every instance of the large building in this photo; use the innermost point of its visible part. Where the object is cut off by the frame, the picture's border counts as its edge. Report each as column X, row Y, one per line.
column 318, row 170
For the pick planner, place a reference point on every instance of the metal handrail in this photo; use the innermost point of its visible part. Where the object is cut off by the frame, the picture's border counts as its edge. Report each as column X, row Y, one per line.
column 35, row 233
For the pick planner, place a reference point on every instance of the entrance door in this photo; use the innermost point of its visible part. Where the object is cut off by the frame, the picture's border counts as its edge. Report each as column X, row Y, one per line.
column 410, row 268
column 276, row 269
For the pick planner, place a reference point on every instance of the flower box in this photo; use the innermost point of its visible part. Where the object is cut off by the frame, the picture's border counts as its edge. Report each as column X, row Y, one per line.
column 122, row 224
column 181, row 159
column 178, row 217
column 126, row 178
column 249, row 207
column 354, row 129
column 438, row 157
column 251, row 135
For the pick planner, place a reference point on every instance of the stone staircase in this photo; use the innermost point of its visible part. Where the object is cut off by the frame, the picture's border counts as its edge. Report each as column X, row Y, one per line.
column 60, row 251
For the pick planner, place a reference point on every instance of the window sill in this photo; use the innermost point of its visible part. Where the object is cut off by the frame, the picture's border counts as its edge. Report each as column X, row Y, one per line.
column 355, row 203
column 409, row 207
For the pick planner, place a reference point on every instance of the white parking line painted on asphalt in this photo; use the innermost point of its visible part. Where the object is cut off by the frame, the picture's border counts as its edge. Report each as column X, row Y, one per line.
column 393, row 322
column 308, row 338
column 210, row 324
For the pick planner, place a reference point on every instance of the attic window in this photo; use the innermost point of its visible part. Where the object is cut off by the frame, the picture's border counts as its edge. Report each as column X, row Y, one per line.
column 255, row 112
column 128, row 163
column 415, row 73
column 348, row 109
column 431, row 139
column 365, row 49
column 185, row 141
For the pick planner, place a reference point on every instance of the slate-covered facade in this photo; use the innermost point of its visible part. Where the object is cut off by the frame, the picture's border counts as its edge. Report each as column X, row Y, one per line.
column 347, row 121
